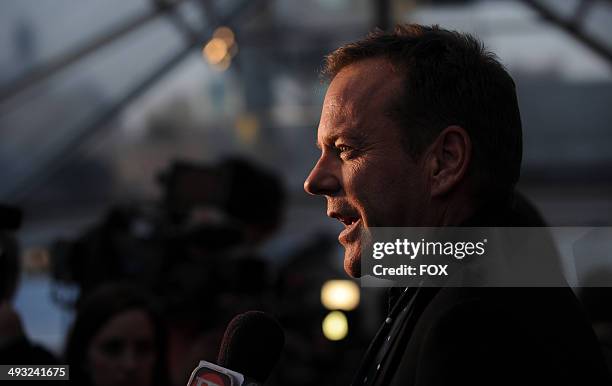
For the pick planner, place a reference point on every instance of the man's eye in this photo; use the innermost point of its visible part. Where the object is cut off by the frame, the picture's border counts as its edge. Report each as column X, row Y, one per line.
column 342, row 148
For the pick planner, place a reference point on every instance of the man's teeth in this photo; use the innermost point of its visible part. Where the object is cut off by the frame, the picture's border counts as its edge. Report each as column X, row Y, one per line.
column 348, row 221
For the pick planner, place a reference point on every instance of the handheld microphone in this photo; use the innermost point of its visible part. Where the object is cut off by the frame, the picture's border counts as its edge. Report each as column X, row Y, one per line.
column 251, row 346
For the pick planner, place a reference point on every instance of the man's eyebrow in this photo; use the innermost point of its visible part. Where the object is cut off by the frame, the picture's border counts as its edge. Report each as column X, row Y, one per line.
column 356, row 139
column 327, row 140
column 351, row 138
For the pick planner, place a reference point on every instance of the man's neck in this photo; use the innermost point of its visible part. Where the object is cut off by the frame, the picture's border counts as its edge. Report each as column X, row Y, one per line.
column 456, row 213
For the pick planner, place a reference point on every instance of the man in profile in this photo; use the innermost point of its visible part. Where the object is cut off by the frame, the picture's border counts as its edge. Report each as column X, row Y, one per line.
column 421, row 127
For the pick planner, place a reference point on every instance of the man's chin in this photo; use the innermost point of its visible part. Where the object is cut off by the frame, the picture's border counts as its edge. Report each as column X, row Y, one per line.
column 352, row 255
column 352, row 265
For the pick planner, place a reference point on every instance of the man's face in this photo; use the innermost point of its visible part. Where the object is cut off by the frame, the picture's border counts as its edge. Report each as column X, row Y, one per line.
column 364, row 172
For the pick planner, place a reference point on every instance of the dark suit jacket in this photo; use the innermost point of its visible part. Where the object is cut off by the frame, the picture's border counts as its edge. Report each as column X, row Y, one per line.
column 495, row 336
column 485, row 336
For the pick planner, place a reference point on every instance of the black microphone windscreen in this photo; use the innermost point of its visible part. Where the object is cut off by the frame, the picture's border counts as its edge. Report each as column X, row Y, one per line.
column 252, row 345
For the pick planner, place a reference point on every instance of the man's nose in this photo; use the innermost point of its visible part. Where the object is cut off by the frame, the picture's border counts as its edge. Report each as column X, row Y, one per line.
column 323, row 179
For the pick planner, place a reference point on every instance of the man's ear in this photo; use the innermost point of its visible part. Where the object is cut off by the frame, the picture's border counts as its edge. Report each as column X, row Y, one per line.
column 448, row 159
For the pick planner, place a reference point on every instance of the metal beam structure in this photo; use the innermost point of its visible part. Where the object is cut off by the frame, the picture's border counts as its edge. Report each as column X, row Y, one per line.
column 382, row 14
column 574, row 26
column 22, row 189
column 49, row 69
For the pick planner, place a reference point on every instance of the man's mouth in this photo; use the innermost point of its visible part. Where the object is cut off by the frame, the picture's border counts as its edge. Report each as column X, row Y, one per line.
column 351, row 223
column 348, row 221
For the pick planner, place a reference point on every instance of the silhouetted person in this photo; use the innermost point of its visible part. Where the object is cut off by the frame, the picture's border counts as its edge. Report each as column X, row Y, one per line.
column 117, row 339
column 15, row 347
column 222, row 214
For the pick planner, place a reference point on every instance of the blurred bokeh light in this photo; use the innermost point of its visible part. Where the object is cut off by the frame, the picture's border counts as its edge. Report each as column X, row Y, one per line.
column 335, row 326
column 340, row 295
